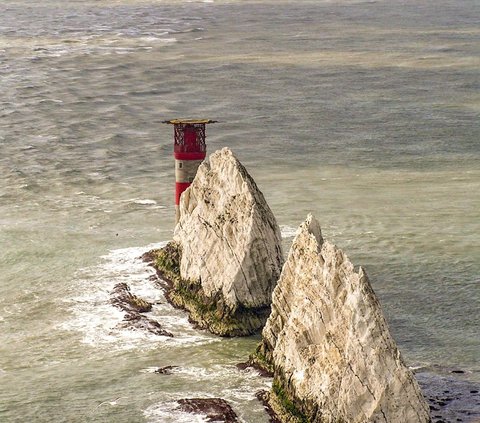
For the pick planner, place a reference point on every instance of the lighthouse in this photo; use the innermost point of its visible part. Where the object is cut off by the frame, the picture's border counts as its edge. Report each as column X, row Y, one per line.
column 189, row 150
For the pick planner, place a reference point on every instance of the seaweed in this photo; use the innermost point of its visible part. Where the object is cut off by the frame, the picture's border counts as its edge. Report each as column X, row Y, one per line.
column 207, row 312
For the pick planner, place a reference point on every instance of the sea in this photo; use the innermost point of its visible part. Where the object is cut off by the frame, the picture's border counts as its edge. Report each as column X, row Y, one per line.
column 364, row 113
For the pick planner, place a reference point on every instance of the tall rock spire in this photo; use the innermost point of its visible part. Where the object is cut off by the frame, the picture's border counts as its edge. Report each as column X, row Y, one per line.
column 228, row 249
column 329, row 345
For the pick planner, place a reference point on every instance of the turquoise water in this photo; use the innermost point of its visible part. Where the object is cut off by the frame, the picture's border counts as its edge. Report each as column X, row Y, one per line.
column 364, row 113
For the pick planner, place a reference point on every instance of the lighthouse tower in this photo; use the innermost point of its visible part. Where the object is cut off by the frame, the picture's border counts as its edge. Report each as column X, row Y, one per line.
column 189, row 151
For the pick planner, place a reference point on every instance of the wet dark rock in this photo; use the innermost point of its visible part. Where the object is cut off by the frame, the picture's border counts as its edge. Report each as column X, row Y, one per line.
column 134, row 307
column 215, row 409
column 123, row 298
column 252, row 365
column 148, row 257
column 242, row 366
column 144, row 323
column 167, row 370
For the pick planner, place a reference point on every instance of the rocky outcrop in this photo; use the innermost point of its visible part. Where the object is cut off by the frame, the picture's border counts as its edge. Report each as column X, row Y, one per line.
column 226, row 255
column 134, row 308
column 209, row 409
column 328, row 343
column 123, row 298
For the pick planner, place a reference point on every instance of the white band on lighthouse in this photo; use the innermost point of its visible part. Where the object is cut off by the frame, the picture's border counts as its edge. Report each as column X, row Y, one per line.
column 185, row 170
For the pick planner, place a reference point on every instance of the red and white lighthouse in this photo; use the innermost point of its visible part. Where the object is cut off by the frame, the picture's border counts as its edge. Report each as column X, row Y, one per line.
column 189, row 151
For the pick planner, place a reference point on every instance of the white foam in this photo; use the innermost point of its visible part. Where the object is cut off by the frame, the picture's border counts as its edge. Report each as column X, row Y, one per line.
column 149, row 39
column 50, row 100
column 145, row 202
column 157, row 37
column 419, row 367
column 99, row 321
column 141, row 201
column 217, row 372
column 223, row 381
column 169, row 40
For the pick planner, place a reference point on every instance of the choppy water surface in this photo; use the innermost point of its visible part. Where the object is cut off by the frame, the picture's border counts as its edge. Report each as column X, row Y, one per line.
column 364, row 113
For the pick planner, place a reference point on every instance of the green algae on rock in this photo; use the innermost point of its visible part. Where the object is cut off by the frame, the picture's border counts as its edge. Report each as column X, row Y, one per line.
column 123, row 298
column 205, row 312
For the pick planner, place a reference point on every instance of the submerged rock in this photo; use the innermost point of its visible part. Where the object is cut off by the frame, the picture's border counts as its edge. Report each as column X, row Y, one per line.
column 329, row 345
column 226, row 255
column 214, row 409
column 167, row 370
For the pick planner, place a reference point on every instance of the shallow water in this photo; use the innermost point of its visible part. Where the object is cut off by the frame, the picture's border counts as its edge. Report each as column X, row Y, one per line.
column 364, row 113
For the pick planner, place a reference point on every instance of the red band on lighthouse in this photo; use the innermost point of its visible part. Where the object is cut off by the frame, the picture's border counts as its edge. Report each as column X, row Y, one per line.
column 179, row 188
column 190, row 156
column 189, row 151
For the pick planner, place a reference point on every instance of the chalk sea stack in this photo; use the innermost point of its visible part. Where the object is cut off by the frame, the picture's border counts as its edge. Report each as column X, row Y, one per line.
column 226, row 254
column 328, row 343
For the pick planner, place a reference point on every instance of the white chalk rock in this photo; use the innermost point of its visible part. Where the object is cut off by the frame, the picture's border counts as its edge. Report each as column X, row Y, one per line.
column 329, row 342
column 229, row 238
